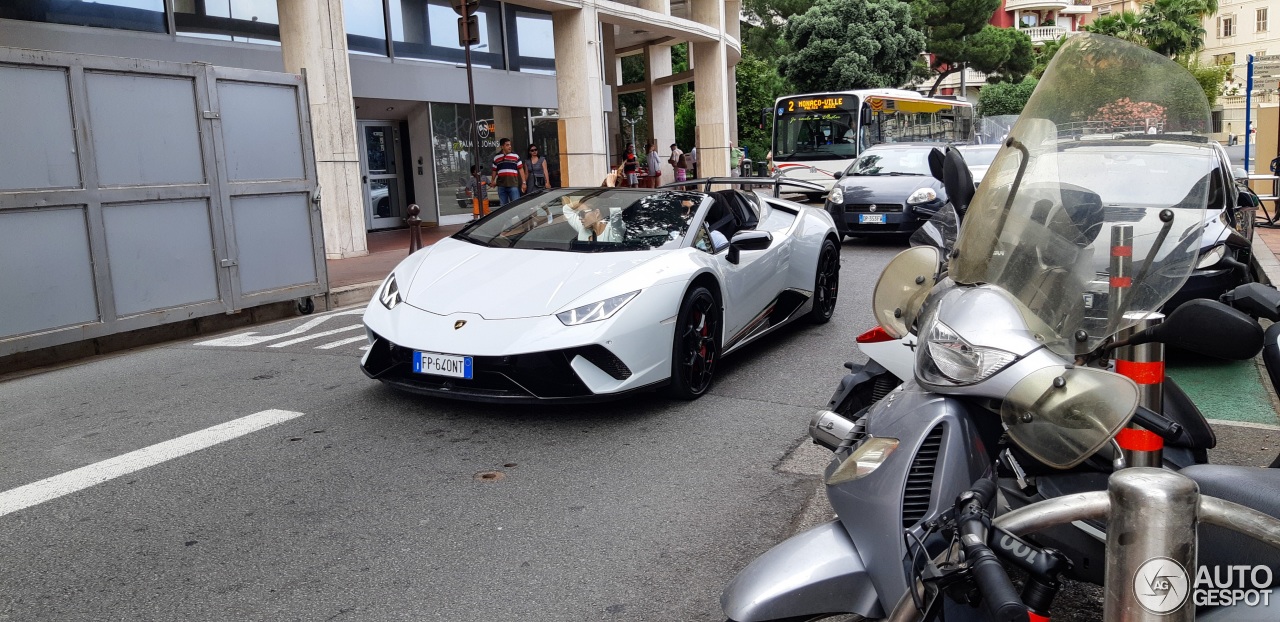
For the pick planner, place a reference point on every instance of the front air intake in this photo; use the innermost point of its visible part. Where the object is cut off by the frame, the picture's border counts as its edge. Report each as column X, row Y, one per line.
column 919, row 488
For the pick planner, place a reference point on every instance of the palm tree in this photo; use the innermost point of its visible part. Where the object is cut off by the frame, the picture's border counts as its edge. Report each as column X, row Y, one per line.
column 1175, row 27
column 1125, row 25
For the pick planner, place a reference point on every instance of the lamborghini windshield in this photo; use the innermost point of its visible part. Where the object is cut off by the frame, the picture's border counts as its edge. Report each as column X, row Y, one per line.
column 1090, row 215
column 589, row 220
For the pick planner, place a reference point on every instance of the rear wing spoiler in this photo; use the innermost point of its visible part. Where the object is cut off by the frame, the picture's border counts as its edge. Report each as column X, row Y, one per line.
column 745, row 182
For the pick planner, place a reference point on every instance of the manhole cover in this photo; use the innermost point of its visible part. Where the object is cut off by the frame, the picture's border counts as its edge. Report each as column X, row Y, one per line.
column 490, row 476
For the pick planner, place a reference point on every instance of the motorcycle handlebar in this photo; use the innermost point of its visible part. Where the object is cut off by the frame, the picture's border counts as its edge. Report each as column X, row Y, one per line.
column 1161, row 425
column 998, row 594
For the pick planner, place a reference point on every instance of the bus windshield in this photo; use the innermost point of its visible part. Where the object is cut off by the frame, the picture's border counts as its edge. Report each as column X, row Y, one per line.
column 815, row 136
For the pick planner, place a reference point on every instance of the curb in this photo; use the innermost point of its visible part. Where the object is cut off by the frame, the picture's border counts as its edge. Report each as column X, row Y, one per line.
column 1266, row 259
column 362, row 293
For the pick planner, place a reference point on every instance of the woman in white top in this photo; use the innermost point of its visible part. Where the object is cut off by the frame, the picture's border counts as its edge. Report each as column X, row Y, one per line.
column 591, row 225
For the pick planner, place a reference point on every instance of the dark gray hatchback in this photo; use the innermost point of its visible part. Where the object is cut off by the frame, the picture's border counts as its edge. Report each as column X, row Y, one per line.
column 887, row 190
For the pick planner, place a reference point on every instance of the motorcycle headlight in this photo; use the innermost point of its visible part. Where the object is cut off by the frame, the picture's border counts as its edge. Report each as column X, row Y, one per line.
column 949, row 359
column 595, row 311
column 837, row 195
column 1211, row 258
column 866, row 458
column 923, row 195
column 389, row 293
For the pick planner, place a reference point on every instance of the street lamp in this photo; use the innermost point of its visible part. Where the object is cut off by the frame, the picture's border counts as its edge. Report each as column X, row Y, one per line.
column 632, row 120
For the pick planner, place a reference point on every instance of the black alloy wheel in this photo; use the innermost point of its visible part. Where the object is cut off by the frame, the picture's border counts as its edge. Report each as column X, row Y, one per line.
column 826, row 285
column 696, row 347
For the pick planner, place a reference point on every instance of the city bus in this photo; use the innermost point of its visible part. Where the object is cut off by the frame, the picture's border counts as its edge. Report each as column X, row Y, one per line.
column 817, row 135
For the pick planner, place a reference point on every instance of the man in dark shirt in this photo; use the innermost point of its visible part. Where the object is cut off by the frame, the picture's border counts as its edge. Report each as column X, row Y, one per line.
column 508, row 172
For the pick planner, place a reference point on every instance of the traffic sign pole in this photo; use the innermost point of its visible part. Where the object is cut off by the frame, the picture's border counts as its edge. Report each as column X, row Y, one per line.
column 1248, row 115
column 465, row 8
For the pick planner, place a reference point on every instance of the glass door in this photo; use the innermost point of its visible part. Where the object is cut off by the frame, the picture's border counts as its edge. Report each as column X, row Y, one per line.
column 380, row 173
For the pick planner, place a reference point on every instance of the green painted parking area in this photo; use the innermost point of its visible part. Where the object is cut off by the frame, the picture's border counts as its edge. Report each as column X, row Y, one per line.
column 1230, row 390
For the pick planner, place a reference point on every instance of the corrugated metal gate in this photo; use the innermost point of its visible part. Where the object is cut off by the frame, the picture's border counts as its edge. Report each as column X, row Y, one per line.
column 135, row 193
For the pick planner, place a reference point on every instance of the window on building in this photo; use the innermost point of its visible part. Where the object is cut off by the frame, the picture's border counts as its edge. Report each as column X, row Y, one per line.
column 145, row 15
column 1262, row 19
column 366, row 28
column 1226, row 26
column 251, row 21
column 530, row 42
column 1227, row 60
column 428, row 30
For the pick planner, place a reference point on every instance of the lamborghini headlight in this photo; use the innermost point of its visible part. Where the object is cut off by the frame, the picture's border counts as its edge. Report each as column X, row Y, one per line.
column 595, row 311
column 837, row 195
column 1211, row 258
column 389, row 293
column 923, row 195
column 949, row 359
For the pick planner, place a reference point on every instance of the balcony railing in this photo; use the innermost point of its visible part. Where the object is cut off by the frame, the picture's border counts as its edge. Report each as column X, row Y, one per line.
column 1041, row 34
column 1038, row 5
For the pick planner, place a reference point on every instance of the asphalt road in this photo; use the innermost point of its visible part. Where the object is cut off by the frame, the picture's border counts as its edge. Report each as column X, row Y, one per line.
column 360, row 503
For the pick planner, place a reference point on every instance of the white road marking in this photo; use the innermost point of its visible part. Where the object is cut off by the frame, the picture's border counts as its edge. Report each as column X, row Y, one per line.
column 253, row 338
column 340, row 342
column 316, row 336
column 73, row 481
column 1244, row 424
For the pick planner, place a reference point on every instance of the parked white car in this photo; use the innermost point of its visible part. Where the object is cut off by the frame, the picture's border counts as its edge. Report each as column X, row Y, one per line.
column 581, row 294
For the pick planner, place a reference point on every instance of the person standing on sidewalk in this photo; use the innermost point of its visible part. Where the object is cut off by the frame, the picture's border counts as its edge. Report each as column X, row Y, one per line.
column 508, row 172
column 735, row 160
column 655, row 161
column 677, row 162
column 630, row 166
column 538, row 174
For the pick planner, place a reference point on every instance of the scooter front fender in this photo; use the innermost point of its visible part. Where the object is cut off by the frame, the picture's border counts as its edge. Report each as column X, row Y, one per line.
column 818, row 571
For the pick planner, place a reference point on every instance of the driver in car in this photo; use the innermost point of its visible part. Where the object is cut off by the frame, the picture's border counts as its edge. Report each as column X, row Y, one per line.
column 590, row 223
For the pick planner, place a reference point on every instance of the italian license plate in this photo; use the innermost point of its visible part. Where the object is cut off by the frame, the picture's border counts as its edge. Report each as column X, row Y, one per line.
column 442, row 365
column 871, row 219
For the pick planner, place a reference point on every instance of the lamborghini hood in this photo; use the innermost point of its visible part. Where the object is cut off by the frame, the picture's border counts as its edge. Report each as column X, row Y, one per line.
column 504, row 283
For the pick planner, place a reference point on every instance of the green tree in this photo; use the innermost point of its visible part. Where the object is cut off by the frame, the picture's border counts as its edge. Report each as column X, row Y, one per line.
column 1175, row 27
column 686, row 120
column 1210, row 77
column 1045, row 54
column 1005, row 97
column 1003, row 53
column 958, row 34
column 758, row 86
column 1125, row 25
column 848, row 44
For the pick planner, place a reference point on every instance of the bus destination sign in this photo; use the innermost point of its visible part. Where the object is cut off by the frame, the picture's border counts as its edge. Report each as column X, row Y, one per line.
column 813, row 104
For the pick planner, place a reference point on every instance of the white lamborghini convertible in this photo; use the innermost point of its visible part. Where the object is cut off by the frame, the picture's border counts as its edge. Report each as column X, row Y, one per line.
column 593, row 293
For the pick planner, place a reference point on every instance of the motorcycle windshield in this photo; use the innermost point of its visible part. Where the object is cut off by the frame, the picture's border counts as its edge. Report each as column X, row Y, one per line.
column 1091, row 213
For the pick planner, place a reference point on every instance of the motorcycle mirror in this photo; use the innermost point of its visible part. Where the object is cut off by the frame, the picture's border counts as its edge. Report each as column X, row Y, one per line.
column 1207, row 327
column 1256, row 299
column 957, row 179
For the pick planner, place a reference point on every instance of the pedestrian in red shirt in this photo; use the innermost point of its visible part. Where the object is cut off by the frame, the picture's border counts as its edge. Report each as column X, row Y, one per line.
column 508, row 173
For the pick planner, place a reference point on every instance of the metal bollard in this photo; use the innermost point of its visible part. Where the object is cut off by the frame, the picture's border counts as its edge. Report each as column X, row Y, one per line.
column 1144, row 364
column 1151, row 546
column 415, row 228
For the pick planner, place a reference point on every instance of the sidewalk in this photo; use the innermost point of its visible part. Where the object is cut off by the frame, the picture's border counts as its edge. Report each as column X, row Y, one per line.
column 354, row 280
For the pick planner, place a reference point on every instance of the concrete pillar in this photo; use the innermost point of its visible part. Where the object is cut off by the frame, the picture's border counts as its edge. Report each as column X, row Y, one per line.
column 711, row 72
column 422, row 168
column 579, row 88
column 313, row 37
column 733, row 27
column 612, row 79
column 662, row 106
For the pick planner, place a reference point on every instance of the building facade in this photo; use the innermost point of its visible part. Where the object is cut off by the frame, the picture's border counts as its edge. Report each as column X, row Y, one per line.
column 387, row 85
